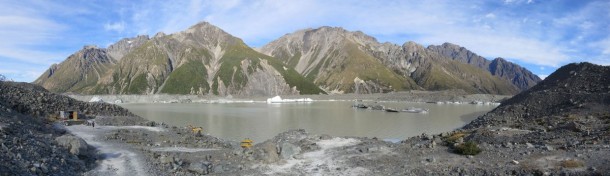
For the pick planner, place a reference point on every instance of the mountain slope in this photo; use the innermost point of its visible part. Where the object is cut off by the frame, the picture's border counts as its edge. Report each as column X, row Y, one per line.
column 332, row 58
column 200, row 60
column 80, row 70
column 517, row 75
column 326, row 53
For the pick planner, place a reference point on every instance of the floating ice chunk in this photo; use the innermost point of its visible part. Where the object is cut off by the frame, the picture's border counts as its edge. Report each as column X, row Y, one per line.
column 96, row 100
column 278, row 99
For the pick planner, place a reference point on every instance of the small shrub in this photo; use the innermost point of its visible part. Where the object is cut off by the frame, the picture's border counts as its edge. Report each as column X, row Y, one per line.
column 572, row 163
column 468, row 148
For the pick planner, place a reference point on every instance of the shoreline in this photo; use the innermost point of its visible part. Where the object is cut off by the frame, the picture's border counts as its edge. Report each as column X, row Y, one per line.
column 449, row 96
column 161, row 149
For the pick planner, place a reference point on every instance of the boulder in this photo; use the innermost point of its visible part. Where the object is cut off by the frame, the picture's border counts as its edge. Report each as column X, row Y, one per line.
column 76, row 145
column 166, row 159
column 576, row 127
column 202, row 168
column 425, row 136
column 268, row 153
column 288, row 150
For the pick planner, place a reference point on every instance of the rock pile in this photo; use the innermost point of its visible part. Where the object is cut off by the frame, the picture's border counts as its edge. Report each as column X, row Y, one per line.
column 32, row 146
column 34, row 100
column 572, row 93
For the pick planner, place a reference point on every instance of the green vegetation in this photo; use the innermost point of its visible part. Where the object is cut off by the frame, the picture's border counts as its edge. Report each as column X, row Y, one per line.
column 364, row 66
column 189, row 75
column 468, row 148
column 134, row 68
column 456, row 75
column 230, row 71
column 138, row 85
column 293, row 78
column 231, row 74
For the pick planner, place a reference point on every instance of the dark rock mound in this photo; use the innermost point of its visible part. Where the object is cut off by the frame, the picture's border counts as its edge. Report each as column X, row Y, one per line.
column 572, row 92
column 28, row 146
column 34, row 100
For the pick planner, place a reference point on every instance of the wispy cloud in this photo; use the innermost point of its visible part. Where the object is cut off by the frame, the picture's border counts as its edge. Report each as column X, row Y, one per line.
column 116, row 26
column 501, row 31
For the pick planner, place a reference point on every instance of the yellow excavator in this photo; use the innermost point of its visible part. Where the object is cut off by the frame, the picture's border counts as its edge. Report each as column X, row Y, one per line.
column 196, row 130
column 246, row 143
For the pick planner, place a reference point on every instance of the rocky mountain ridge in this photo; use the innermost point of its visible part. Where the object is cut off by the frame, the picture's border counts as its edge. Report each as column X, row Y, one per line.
column 517, row 75
column 204, row 59
column 200, row 60
column 328, row 52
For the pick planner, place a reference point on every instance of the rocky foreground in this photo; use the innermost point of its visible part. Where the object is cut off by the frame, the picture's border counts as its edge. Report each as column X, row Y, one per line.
column 30, row 144
column 559, row 127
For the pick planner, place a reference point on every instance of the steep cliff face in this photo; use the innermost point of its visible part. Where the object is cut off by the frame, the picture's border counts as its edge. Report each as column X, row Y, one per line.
column 125, row 46
column 320, row 54
column 515, row 74
column 519, row 76
column 200, row 60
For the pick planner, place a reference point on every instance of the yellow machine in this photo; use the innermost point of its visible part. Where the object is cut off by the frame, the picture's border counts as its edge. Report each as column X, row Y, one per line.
column 246, row 143
column 196, row 130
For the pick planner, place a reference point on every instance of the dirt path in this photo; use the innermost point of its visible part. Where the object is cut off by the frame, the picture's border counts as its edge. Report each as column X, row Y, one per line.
column 118, row 158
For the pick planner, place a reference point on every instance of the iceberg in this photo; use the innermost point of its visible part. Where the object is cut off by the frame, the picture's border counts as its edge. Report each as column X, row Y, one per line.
column 96, row 100
column 278, row 99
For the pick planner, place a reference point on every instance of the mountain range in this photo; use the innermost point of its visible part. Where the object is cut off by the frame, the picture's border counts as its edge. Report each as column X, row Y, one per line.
column 204, row 59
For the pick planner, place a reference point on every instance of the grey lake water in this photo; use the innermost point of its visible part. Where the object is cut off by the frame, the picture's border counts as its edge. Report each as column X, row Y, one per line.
column 261, row 121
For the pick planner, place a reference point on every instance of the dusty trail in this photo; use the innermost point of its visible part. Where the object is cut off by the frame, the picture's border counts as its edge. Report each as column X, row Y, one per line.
column 118, row 159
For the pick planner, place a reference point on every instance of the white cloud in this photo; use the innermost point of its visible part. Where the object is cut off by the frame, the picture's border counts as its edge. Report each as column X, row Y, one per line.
column 117, row 26
column 604, row 45
column 490, row 15
column 21, row 33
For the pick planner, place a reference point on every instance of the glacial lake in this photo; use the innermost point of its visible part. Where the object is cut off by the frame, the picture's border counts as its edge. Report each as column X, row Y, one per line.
column 262, row 121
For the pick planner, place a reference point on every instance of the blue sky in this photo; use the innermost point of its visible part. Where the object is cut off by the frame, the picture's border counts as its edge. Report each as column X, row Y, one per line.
column 539, row 35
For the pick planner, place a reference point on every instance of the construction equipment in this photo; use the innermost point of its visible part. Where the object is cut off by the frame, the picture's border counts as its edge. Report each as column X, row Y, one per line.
column 70, row 118
column 246, row 143
column 196, row 130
